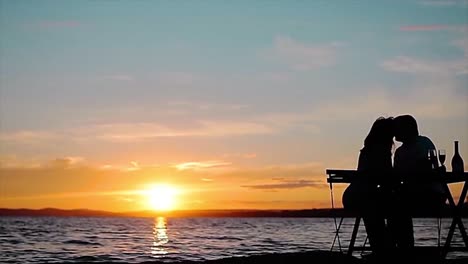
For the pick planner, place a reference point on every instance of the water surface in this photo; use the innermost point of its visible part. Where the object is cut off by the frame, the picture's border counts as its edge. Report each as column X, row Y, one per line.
column 63, row 239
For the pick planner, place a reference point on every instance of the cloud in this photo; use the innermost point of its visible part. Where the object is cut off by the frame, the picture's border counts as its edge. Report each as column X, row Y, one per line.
column 126, row 199
column 27, row 137
column 202, row 165
column 249, row 155
column 407, row 64
column 12, row 161
column 134, row 166
column 289, row 184
column 204, row 106
column 51, row 24
column 240, row 155
column 66, row 162
column 124, row 132
column 279, row 173
column 302, row 57
column 178, row 78
column 79, row 194
column 119, row 77
column 462, row 44
column 444, row 3
column 433, row 98
column 206, row 179
column 411, row 65
column 410, row 28
column 143, row 131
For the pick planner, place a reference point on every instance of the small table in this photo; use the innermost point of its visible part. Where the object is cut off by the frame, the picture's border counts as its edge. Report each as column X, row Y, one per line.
column 349, row 176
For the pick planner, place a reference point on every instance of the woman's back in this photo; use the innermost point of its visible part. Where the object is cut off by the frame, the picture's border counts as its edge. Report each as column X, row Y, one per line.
column 374, row 167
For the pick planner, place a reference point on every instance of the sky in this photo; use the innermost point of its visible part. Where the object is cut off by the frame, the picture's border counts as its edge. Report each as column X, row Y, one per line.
column 240, row 104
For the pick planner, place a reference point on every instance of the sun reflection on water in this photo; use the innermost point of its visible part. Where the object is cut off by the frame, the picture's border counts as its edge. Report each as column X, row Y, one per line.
column 160, row 236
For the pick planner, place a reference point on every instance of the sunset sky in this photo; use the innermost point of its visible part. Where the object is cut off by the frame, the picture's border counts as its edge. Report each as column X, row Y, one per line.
column 235, row 104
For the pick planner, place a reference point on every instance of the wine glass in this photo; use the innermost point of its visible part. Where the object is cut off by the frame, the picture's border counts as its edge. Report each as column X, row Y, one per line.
column 432, row 157
column 442, row 156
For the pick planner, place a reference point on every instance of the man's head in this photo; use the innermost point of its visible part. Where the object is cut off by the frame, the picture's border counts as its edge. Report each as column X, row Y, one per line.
column 406, row 128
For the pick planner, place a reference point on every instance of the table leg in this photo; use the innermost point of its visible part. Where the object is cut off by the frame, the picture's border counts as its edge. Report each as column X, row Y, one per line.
column 460, row 207
column 353, row 236
column 456, row 220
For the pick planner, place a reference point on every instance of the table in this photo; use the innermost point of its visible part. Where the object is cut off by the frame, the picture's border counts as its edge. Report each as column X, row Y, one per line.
column 447, row 177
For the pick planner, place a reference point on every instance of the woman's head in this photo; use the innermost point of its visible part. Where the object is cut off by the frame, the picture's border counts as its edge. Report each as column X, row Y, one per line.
column 381, row 134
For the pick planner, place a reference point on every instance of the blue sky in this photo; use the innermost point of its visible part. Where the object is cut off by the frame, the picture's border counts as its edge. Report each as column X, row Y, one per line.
column 287, row 83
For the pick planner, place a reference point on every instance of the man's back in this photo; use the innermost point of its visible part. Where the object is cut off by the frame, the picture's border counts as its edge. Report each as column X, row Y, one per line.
column 411, row 157
column 412, row 164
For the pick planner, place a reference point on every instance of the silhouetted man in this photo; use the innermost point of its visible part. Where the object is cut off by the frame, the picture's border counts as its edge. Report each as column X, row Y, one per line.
column 416, row 190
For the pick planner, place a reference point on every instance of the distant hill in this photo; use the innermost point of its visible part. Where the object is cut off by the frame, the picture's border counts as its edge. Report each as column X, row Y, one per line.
column 54, row 212
column 325, row 212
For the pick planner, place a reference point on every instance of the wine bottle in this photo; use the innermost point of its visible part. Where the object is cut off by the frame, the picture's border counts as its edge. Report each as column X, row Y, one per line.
column 457, row 161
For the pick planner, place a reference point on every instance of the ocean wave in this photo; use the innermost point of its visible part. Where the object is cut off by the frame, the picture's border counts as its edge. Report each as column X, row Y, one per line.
column 81, row 242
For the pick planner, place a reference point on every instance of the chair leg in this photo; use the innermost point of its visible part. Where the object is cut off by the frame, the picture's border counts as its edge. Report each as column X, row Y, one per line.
column 337, row 235
column 353, row 236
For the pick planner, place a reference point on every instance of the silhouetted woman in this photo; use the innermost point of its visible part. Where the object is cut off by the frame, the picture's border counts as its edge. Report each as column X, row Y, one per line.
column 368, row 195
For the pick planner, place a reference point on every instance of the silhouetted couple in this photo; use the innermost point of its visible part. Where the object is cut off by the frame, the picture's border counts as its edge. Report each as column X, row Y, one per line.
column 393, row 193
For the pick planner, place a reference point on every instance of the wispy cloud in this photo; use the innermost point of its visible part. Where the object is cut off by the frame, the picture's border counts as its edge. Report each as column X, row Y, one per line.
column 206, row 179
column 141, row 131
column 240, row 155
column 278, row 173
column 302, row 56
column 287, row 184
column 206, row 106
column 134, row 166
column 13, row 161
column 412, row 65
column 407, row 64
column 79, row 194
column 434, row 27
column 66, row 162
column 202, row 165
column 444, row 3
column 25, row 136
column 432, row 97
column 179, row 78
column 145, row 131
column 463, row 45
column 267, row 203
column 119, row 77
column 50, row 24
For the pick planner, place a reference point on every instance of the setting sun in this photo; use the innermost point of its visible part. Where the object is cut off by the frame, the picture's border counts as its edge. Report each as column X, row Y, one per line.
column 161, row 197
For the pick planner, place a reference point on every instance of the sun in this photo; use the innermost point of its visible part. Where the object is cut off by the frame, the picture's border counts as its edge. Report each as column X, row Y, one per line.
column 161, row 197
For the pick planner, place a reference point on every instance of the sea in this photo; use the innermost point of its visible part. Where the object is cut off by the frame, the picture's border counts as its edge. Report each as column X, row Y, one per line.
column 135, row 240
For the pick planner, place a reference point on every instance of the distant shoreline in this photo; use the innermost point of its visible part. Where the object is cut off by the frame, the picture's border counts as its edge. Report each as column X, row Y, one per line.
column 305, row 213
column 182, row 213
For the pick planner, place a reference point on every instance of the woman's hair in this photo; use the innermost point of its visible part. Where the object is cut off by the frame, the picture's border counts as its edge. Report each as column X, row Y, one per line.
column 381, row 134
